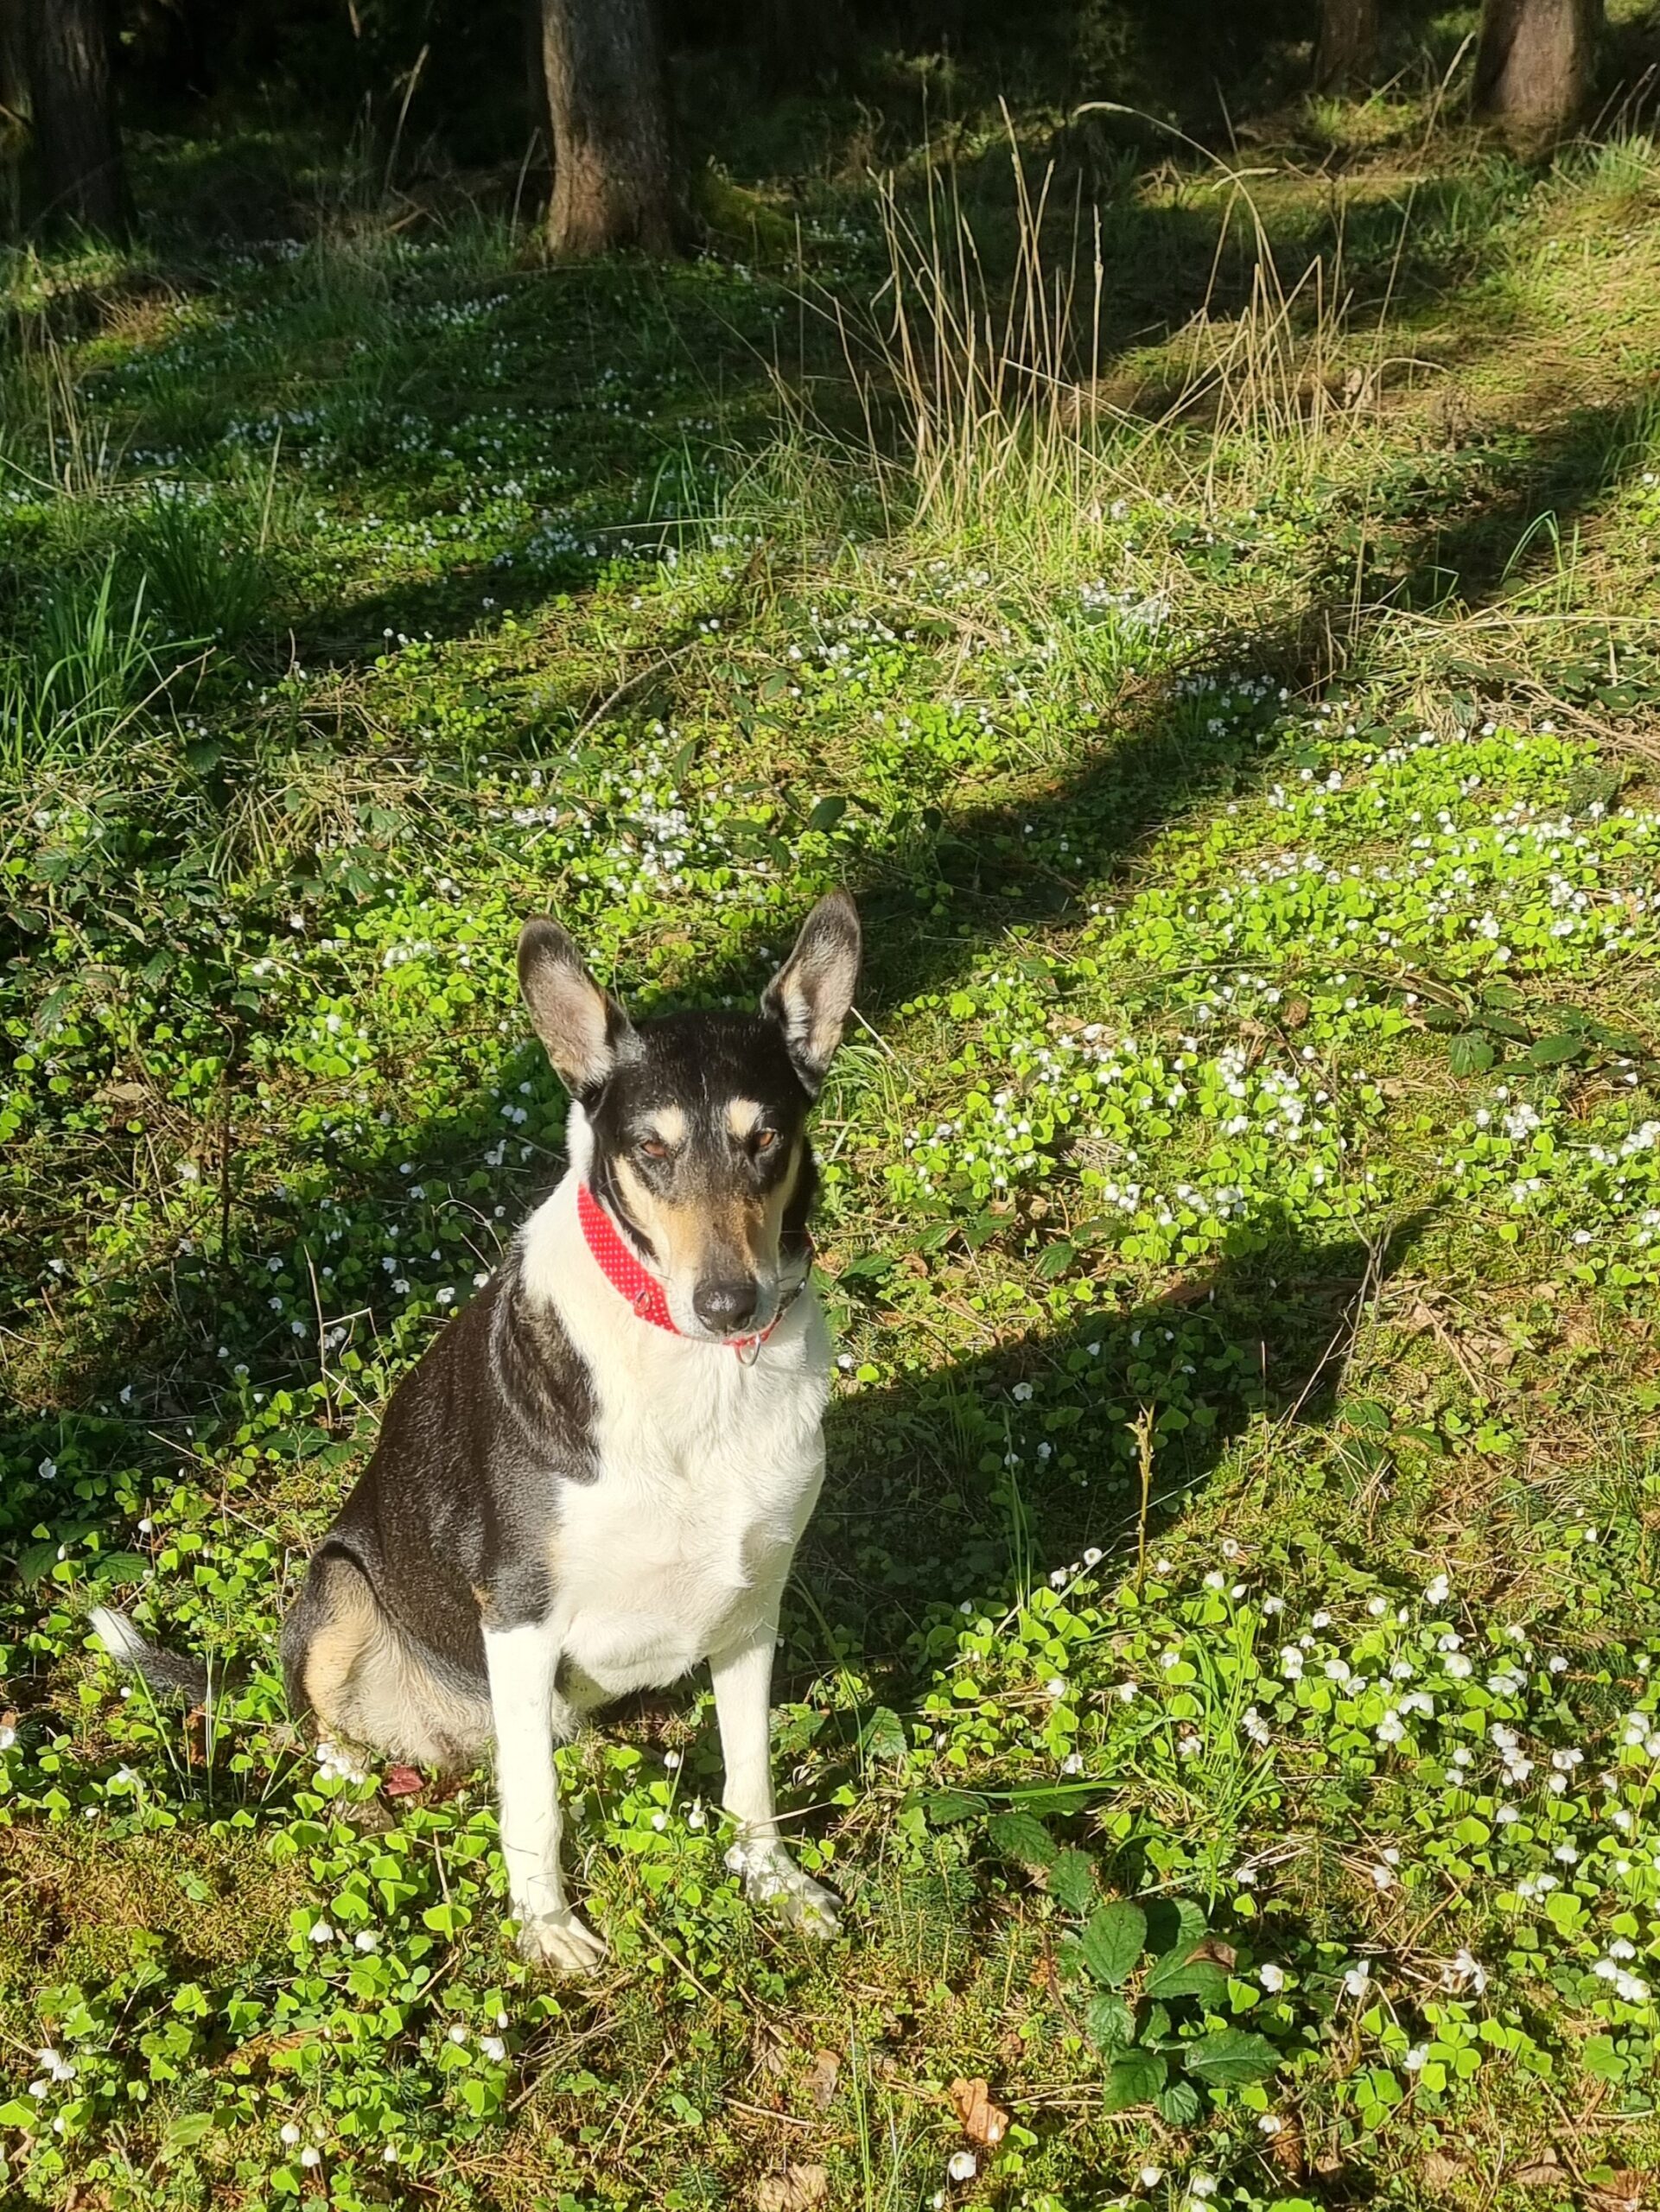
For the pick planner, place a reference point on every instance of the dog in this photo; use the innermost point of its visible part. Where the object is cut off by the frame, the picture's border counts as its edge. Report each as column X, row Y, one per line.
column 597, row 1475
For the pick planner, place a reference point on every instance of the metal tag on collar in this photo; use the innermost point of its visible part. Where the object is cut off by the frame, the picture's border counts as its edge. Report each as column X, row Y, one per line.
column 749, row 1348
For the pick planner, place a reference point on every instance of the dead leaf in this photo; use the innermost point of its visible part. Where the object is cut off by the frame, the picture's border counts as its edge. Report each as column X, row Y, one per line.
column 773, row 2053
column 797, row 2188
column 1294, row 1014
column 1218, row 1953
column 822, row 2077
column 1623, row 2191
column 1285, row 2147
column 1439, row 2171
column 1539, row 2173
column 981, row 2121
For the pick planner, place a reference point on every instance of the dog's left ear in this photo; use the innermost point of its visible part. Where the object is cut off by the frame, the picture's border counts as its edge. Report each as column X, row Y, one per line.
column 811, row 994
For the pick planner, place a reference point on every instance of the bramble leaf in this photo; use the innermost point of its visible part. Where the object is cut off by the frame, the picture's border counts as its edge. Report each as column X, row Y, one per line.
column 1018, row 1836
column 1180, row 1974
column 1112, row 1941
column 1110, row 2021
column 1231, row 2055
column 1071, row 1881
column 1135, row 2079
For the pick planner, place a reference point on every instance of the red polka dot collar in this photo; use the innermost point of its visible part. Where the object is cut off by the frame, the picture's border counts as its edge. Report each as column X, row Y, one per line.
column 641, row 1288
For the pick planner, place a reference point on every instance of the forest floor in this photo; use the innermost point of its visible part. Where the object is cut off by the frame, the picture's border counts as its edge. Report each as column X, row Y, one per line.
column 1219, row 1677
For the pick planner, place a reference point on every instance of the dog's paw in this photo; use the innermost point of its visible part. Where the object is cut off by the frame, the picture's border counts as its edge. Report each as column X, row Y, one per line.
column 771, row 1877
column 562, row 1941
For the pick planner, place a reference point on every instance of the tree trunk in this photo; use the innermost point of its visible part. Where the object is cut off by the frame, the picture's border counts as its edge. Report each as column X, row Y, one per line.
column 612, row 173
column 1535, row 64
column 77, row 146
column 14, row 120
column 1348, row 36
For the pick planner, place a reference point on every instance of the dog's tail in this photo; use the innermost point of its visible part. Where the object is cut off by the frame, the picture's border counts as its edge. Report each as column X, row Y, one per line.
column 162, row 1670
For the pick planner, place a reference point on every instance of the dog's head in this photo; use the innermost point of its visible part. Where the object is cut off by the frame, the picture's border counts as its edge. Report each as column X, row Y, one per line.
column 692, row 1130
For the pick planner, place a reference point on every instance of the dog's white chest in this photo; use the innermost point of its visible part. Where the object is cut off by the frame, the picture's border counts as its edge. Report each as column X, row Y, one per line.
column 708, row 1472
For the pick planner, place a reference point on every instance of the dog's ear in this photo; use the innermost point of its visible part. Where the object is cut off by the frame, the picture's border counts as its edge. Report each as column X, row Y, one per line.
column 585, row 1031
column 812, row 992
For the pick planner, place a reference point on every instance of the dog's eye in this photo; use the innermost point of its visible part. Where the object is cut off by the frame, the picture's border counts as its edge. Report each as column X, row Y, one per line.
column 653, row 1148
column 764, row 1139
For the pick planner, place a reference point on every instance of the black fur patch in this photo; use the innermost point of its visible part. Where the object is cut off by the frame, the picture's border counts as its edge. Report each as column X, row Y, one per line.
column 461, row 1494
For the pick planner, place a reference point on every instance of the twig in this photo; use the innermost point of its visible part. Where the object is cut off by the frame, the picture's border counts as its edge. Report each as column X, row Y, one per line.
column 322, row 1338
column 1141, row 1429
column 760, row 2112
column 595, row 715
column 227, row 1080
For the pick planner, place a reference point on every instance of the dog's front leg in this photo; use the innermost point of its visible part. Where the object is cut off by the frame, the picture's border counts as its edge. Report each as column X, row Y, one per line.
column 743, row 1685
column 522, row 1663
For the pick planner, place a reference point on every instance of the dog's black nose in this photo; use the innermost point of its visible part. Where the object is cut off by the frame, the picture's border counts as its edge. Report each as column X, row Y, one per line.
column 725, row 1305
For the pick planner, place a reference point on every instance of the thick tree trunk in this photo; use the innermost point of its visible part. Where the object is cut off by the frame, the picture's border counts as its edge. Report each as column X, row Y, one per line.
column 1348, row 35
column 13, row 119
column 613, row 170
column 1535, row 64
column 77, row 146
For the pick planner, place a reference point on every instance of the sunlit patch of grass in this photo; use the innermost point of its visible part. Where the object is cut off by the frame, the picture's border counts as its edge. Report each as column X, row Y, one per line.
column 205, row 555
column 79, row 685
column 1366, row 125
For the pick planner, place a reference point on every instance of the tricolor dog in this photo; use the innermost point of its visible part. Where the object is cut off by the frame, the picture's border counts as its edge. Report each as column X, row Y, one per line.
column 598, row 1474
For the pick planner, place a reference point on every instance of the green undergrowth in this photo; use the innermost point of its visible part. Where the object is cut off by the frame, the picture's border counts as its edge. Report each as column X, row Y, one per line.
column 1220, row 1676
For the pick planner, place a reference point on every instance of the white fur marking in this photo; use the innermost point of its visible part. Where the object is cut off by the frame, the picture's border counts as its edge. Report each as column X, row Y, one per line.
column 522, row 1663
column 743, row 1681
column 124, row 1642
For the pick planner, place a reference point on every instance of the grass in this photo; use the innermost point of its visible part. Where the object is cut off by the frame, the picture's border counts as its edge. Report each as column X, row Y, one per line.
column 1220, row 1675
column 92, row 672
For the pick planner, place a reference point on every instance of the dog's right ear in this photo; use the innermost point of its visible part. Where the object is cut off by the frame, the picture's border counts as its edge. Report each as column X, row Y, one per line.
column 586, row 1033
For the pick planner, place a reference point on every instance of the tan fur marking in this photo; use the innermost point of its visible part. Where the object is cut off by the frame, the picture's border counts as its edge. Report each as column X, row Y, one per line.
column 335, row 1650
column 766, row 1226
column 742, row 1115
column 701, row 1237
column 367, row 1686
column 683, row 1236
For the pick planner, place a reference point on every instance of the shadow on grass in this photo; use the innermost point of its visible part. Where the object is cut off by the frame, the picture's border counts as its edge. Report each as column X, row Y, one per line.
column 946, row 1484
column 593, row 341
